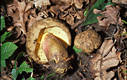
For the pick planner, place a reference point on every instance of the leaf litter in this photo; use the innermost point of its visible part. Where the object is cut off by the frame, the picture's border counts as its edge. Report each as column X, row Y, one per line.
column 102, row 64
column 109, row 16
column 106, row 58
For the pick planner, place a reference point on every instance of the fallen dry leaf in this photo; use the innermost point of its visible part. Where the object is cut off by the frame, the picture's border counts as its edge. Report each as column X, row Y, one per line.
column 16, row 10
column 105, row 59
column 40, row 3
column 29, row 5
column 65, row 2
column 122, row 72
column 120, row 1
column 107, row 76
column 109, row 16
column 87, row 1
column 55, row 9
column 78, row 3
column 79, row 15
column 5, row 75
column 70, row 19
column 23, row 12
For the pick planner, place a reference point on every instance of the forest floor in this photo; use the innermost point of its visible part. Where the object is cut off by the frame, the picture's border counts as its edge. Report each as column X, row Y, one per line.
column 107, row 17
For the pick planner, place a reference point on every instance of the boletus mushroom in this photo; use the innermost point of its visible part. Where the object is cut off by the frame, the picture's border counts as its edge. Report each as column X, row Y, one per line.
column 47, row 41
column 88, row 41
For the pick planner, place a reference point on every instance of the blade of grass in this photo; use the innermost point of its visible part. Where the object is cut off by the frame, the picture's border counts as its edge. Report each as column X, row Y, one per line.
column 50, row 75
column 125, row 22
column 2, row 26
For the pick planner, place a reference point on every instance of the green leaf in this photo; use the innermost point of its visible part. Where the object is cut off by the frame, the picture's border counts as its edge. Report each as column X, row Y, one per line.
column 86, row 12
column 125, row 22
column 2, row 23
column 23, row 78
column 50, row 75
column 7, row 49
column 3, row 63
column 24, row 67
column 14, row 74
column 92, row 18
column 123, row 34
column 77, row 50
column 110, row 3
column 31, row 78
column 42, row 77
column 4, row 36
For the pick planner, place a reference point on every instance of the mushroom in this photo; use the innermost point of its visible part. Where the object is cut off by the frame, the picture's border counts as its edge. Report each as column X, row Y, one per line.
column 88, row 41
column 47, row 41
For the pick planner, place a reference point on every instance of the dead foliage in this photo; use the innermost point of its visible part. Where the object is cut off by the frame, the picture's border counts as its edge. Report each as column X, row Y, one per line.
column 109, row 16
column 103, row 63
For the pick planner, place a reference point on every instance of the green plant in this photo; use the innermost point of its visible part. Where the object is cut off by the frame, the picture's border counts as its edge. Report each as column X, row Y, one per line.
column 90, row 16
column 2, row 26
column 77, row 50
column 50, row 75
column 18, row 70
column 31, row 78
column 42, row 77
column 6, row 48
column 124, row 21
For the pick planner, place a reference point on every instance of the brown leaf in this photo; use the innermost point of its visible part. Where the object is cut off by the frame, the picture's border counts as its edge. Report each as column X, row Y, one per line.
column 105, row 59
column 16, row 10
column 70, row 19
column 63, row 15
column 55, row 9
column 63, row 7
column 107, row 76
column 78, row 3
column 13, row 12
column 29, row 5
column 87, row 1
column 122, row 72
column 109, row 16
column 106, row 47
column 79, row 15
column 5, row 74
column 5, row 77
column 40, row 3
column 65, row 2
column 96, row 11
column 120, row 1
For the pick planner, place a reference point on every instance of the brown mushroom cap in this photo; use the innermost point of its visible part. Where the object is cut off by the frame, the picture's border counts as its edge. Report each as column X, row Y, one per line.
column 87, row 40
column 49, row 25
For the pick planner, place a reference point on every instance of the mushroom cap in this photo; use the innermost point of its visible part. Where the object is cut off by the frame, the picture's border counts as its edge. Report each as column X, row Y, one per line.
column 49, row 25
column 88, row 41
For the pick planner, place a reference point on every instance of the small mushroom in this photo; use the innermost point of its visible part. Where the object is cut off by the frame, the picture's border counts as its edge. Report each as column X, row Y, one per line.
column 88, row 41
column 47, row 42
